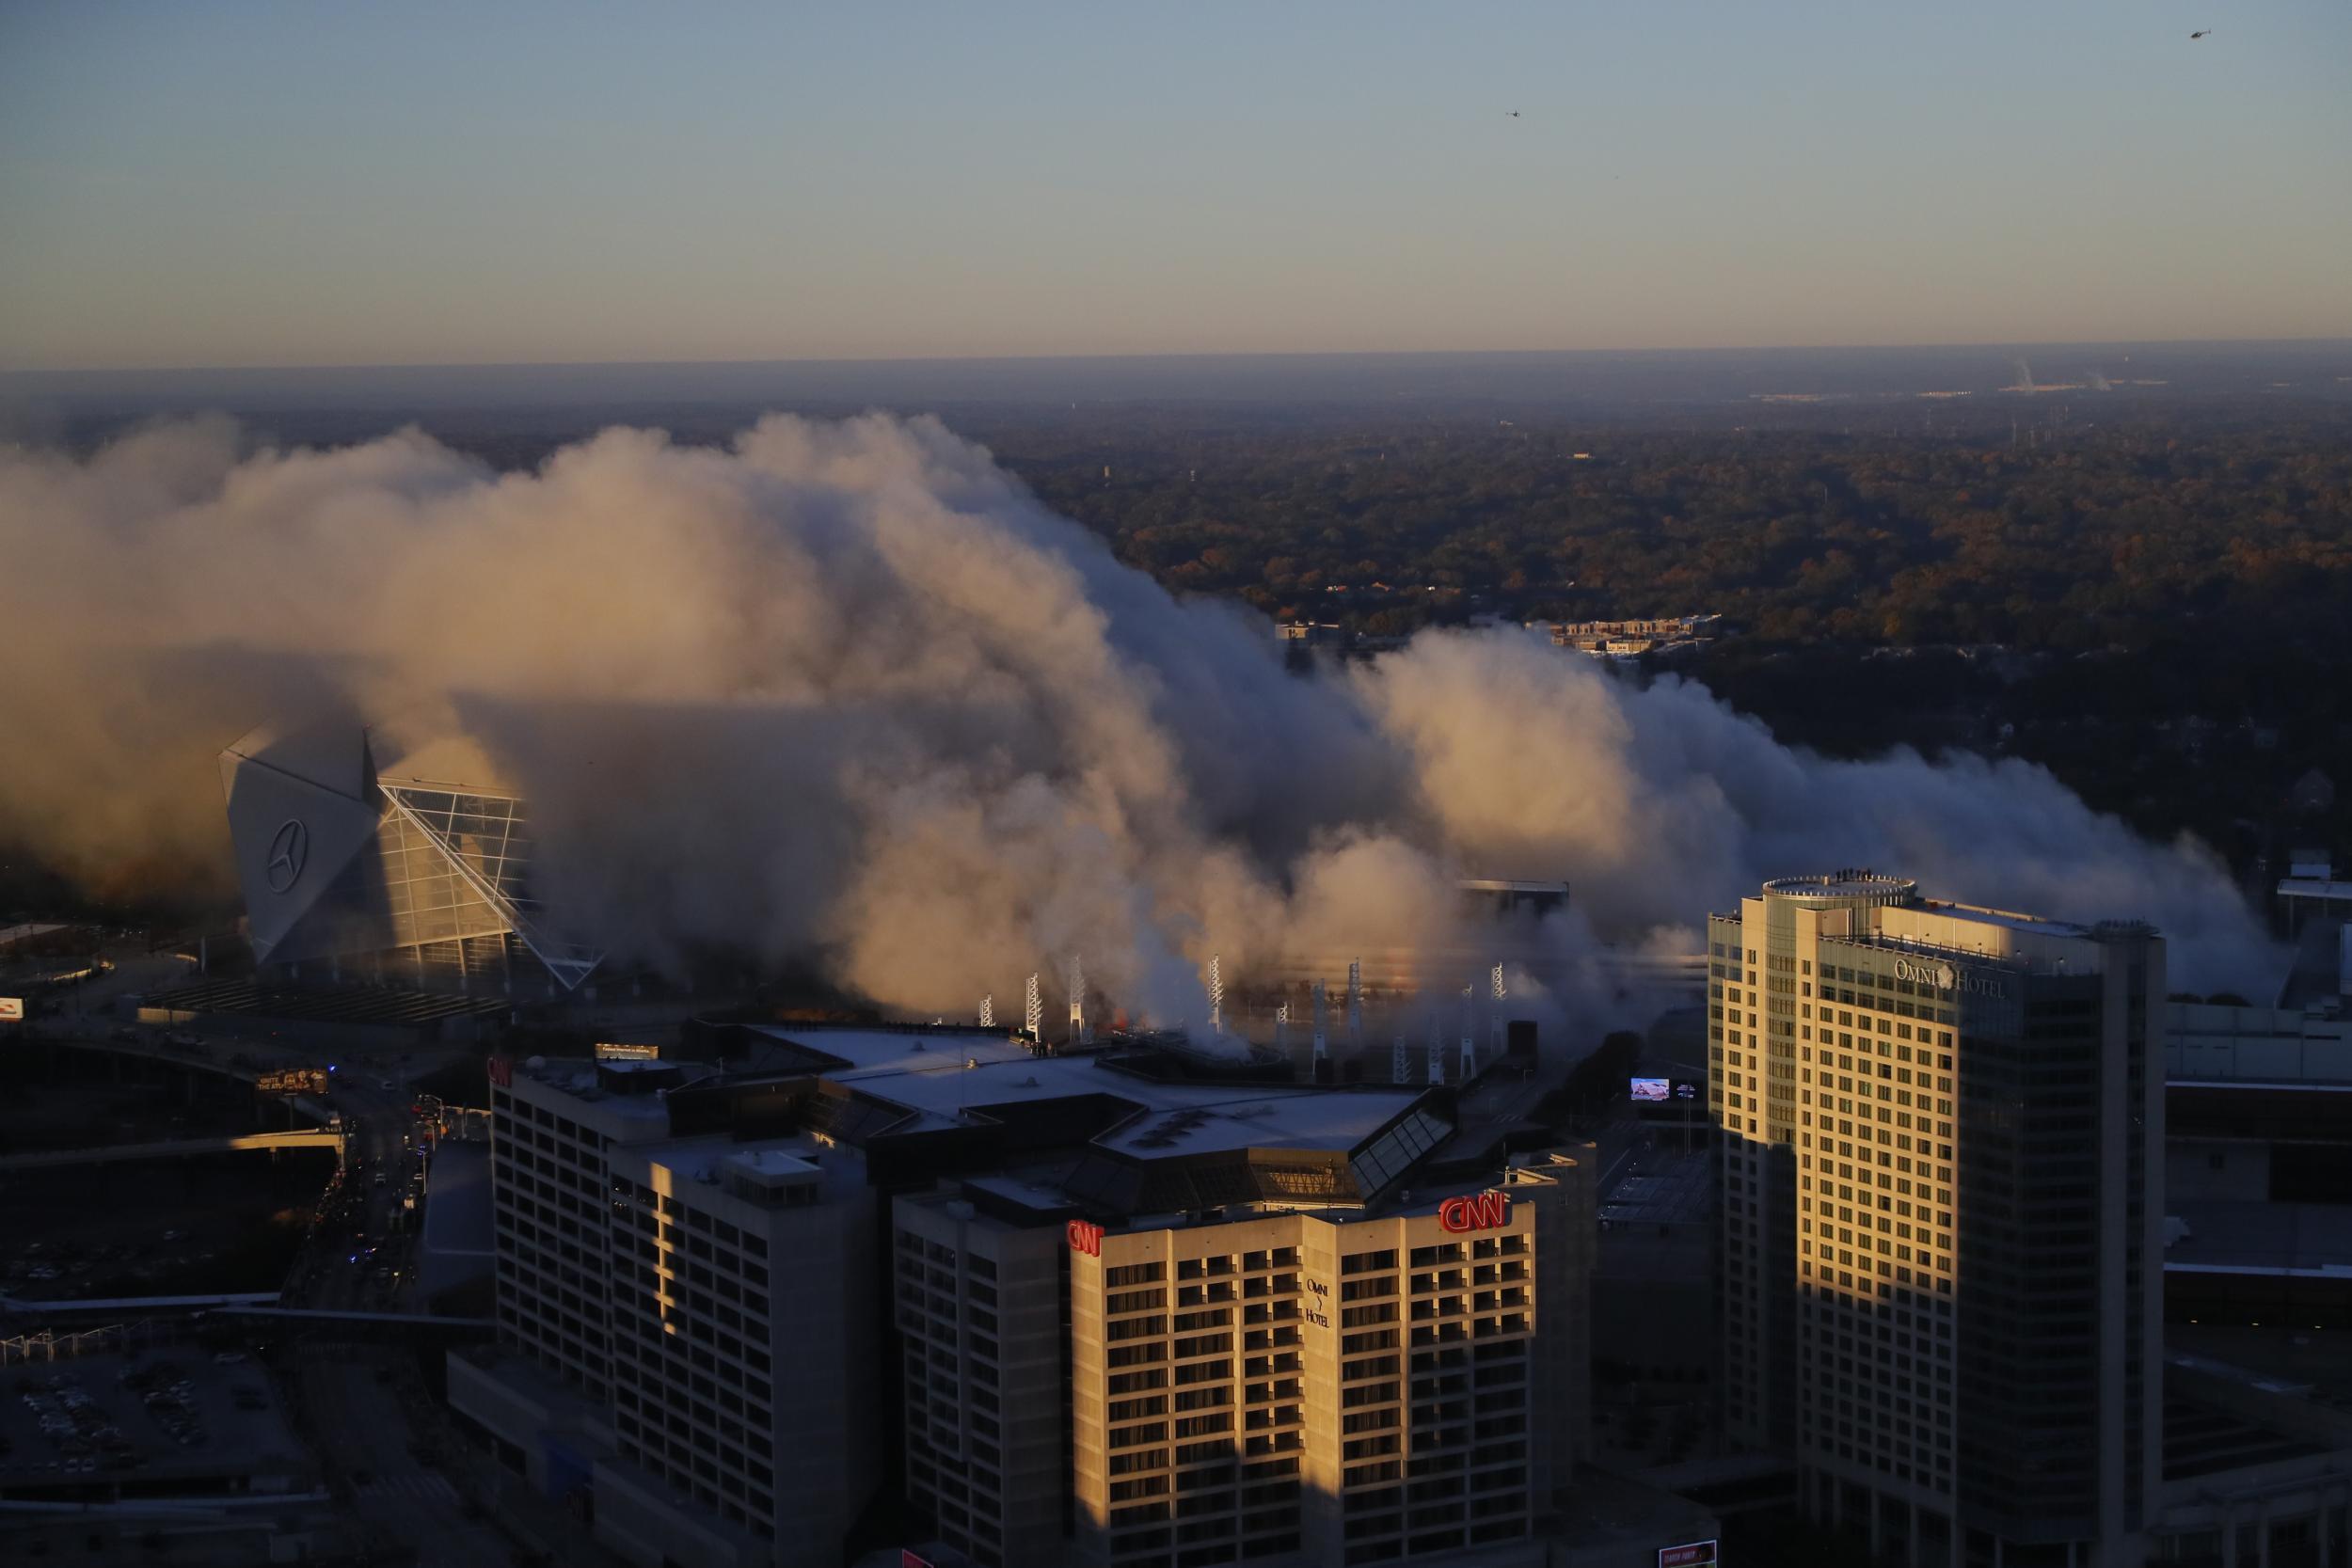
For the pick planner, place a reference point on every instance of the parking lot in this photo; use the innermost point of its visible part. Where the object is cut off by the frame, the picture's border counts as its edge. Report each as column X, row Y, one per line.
column 175, row 1421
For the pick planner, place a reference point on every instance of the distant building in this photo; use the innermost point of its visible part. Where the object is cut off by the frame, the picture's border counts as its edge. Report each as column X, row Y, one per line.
column 1313, row 634
column 2311, row 890
column 2258, row 1152
column 1940, row 1285
column 1627, row 639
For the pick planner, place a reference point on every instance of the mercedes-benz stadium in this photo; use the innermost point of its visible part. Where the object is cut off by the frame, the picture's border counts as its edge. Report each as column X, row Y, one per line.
column 356, row 865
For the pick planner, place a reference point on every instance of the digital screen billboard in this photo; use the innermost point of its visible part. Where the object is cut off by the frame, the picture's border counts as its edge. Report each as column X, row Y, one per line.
column 1654, row 1091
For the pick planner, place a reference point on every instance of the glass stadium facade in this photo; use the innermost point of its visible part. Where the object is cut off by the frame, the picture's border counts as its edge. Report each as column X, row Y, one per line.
column 354, row 872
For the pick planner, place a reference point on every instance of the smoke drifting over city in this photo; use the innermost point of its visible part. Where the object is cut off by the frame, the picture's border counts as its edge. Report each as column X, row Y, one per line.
column 844, row 694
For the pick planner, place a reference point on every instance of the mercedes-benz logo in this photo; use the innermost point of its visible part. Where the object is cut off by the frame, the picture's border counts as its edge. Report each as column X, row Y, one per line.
column 289, row 848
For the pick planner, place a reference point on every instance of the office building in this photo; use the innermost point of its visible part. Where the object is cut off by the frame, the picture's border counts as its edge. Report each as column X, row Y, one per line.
column 1079, row 1309
column 1940, row 1135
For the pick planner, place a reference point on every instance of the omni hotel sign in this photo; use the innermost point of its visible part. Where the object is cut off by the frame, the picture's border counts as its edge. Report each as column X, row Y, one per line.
column 1939, row 975
column 1942, row 977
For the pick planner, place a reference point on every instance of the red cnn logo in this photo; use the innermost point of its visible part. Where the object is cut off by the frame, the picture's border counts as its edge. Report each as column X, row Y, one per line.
column 1086, row 1238
column 1486, row 1212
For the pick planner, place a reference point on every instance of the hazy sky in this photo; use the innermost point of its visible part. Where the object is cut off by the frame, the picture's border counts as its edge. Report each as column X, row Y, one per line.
column 192, row 183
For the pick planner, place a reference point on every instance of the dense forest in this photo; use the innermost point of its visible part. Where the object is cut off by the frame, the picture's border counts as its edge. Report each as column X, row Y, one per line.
column 2088, row 537
column 2160, row 610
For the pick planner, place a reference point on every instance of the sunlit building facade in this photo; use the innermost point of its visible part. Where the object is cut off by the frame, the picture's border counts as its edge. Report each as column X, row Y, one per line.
column 1942, row 1234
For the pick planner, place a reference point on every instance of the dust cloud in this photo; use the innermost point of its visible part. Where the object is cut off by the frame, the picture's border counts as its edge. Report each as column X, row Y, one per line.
column 844, row 694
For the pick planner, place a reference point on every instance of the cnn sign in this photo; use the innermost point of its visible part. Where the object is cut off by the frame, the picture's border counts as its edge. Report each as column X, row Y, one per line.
column 1486, row 1211
column 1691, row 1555
column 1085, row 1237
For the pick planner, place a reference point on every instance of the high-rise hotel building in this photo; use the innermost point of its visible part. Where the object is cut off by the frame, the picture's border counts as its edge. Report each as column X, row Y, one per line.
column 1094, row 1310
column 1942, row 1232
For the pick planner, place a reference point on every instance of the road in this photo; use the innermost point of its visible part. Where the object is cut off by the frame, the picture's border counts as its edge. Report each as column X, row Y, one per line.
column 352, row 1395
column 370, row 1418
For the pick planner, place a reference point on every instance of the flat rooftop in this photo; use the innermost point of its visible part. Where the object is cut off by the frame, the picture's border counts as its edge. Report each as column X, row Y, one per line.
column 704, row 1160
column 2008, row 919
column 944, row 1079
column 2263, row 1237
column 575, row 1076
column 458, row 1243
column 179, row 1418
column 1674, row 1187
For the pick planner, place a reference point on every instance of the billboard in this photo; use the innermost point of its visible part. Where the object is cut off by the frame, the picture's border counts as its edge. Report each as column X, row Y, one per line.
column 622, row 1052
column 1690, row 1554
column 1652, row 1091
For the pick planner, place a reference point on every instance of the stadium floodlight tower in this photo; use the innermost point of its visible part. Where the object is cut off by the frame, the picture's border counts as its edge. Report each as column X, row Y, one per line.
column 1323, row 1045
column 1077, row 1000
column 1494, row 1016
column 1356, row 1006
column 1470, row 1030
column 1036, row 1014
column 1282, row 1025
column 1217, row 998
column 1437, row 1045
column 1399, row 1059
column 988, row 1011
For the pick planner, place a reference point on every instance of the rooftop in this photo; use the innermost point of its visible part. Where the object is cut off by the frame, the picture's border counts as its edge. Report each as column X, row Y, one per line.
column 2312, row 1239
column 2007, row 919
column 943, row 1080
column 458, row 1206
column 1841, row 885
column 145, row 1419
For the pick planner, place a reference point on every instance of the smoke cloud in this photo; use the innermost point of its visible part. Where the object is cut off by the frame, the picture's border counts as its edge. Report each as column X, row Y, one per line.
column 846, row 695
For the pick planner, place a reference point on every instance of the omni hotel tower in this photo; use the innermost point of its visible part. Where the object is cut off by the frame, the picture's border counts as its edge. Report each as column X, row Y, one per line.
column 1942, row 1257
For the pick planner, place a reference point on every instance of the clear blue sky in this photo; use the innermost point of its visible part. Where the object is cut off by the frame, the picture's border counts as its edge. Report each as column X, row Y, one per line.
column 195, row 184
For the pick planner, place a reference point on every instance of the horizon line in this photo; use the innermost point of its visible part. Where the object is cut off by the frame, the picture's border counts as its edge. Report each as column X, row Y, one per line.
column 283, row 368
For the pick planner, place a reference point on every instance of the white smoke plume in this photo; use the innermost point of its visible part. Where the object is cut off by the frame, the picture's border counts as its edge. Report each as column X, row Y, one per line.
column 844, row 694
